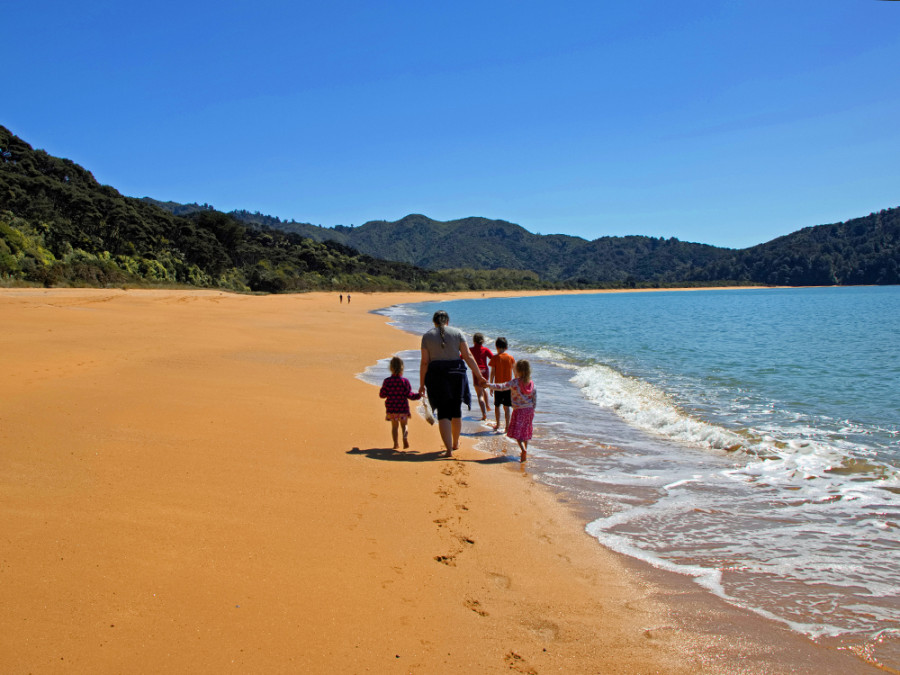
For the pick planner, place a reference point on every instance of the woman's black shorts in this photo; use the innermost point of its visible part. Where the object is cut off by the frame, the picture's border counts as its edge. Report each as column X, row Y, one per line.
column 445, row 394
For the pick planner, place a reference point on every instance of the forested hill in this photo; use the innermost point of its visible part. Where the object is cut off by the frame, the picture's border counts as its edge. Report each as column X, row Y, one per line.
column 59, row 226
column 861, row 251
column 491, row 244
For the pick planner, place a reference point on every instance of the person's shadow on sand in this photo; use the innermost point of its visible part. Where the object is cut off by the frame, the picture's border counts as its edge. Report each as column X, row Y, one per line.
column 391, row 455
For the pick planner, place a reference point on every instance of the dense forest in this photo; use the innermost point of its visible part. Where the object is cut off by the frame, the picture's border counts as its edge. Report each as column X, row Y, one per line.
column 59, row 226
column 861, row 251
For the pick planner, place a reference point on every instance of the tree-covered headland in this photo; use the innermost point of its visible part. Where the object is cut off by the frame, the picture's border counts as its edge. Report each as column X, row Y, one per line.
column 60, row 227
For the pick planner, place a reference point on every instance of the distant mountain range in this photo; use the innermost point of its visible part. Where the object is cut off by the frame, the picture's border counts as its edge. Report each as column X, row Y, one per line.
column 865, row 250
column 59, row 226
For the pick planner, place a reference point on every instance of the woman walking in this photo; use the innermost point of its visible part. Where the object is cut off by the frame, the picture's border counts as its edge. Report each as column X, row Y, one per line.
column 443, row 375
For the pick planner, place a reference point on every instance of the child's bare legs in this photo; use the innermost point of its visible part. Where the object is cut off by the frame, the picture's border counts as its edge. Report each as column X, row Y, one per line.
column 481, row 395
column 523, row 450
column 405, row 434
column 505, row 417
column 483, row 401
column 394, row 426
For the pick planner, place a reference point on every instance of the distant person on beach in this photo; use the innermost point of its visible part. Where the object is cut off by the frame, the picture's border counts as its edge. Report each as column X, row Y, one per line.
column 397, row 392
column 502, row 364
column 443, row 375
column 481, row 354
column 524, row 401
column 342, row 298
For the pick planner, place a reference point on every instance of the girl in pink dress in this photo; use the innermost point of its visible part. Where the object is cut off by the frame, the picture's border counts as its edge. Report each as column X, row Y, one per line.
column 524, row 401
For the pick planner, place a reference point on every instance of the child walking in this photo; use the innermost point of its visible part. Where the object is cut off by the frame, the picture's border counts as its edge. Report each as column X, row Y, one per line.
column 524, row 401
column 501, row 371
column 397, row 392
column 481, row 354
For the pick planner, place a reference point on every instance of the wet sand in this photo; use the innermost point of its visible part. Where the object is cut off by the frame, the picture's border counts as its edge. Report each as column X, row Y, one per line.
column 194, row 481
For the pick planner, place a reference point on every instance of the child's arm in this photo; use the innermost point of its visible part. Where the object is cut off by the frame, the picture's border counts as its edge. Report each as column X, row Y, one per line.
column 499, row 386
column 412, row 396
column 383, row 393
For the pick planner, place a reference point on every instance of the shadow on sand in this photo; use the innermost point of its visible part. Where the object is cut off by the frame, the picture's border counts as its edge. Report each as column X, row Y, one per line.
column 391, row 455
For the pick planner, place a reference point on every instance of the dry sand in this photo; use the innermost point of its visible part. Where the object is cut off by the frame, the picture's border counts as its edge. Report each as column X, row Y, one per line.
column 195, row 482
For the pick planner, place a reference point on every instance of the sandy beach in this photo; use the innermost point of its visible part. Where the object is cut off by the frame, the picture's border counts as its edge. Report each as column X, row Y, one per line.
column 196, row 482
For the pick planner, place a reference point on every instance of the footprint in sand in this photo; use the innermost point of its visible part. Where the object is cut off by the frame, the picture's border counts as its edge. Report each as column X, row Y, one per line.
column 501, row 580
column 546, row 630
column 475, row 606
column 518, row 664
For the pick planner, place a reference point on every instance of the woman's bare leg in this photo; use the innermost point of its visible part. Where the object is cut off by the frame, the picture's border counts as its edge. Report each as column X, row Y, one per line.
column 446, row 428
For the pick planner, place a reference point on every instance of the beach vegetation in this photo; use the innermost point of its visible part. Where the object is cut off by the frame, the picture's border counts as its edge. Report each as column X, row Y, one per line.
column 59, row 226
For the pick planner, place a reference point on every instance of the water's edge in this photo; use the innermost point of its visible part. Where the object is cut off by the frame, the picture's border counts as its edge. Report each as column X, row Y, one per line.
column 753, row 636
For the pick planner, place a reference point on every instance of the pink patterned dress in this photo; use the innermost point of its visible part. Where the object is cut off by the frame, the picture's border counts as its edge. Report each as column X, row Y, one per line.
column 524, row 401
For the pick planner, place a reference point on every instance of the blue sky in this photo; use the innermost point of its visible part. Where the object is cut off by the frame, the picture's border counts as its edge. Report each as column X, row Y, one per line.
column 728, row 122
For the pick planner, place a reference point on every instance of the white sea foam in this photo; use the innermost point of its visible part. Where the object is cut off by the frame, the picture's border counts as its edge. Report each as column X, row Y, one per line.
column 787, row 454
column 788, row 507
column 649, row 408
column 548, row 354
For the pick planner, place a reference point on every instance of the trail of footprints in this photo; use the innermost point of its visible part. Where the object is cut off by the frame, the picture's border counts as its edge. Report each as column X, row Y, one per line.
column 449, row 489
column 451, row 512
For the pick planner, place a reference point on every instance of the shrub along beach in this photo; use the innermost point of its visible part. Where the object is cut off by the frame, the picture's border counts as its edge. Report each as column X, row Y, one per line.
column 196, row 481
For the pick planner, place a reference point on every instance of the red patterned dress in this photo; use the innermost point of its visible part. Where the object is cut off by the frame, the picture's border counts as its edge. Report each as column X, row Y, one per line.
column 397, row 392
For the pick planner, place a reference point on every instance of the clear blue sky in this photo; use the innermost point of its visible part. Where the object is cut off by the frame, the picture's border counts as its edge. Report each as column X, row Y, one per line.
column 727, row 122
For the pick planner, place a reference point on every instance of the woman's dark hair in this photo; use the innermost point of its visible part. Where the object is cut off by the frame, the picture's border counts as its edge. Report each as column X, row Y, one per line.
column 441, row 319
column 478, row 339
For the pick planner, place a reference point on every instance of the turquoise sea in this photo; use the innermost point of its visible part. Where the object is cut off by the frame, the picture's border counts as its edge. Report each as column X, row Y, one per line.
column 748, row 439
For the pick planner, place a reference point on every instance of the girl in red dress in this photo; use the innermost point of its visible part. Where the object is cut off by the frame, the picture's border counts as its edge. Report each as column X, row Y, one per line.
column 481, row 354
column 397, row 392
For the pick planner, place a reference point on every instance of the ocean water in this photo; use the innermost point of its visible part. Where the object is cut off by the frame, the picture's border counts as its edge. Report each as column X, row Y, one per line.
column 748, row 439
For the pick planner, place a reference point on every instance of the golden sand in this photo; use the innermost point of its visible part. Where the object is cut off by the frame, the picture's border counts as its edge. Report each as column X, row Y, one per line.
column 196, row 482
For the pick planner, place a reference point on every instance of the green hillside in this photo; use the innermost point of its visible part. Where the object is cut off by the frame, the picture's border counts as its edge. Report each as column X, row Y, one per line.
column 861, row 251
column 59, row 226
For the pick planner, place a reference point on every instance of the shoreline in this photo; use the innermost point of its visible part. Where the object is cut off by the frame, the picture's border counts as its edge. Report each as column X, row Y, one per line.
column 197, row 480
column 697, row 609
